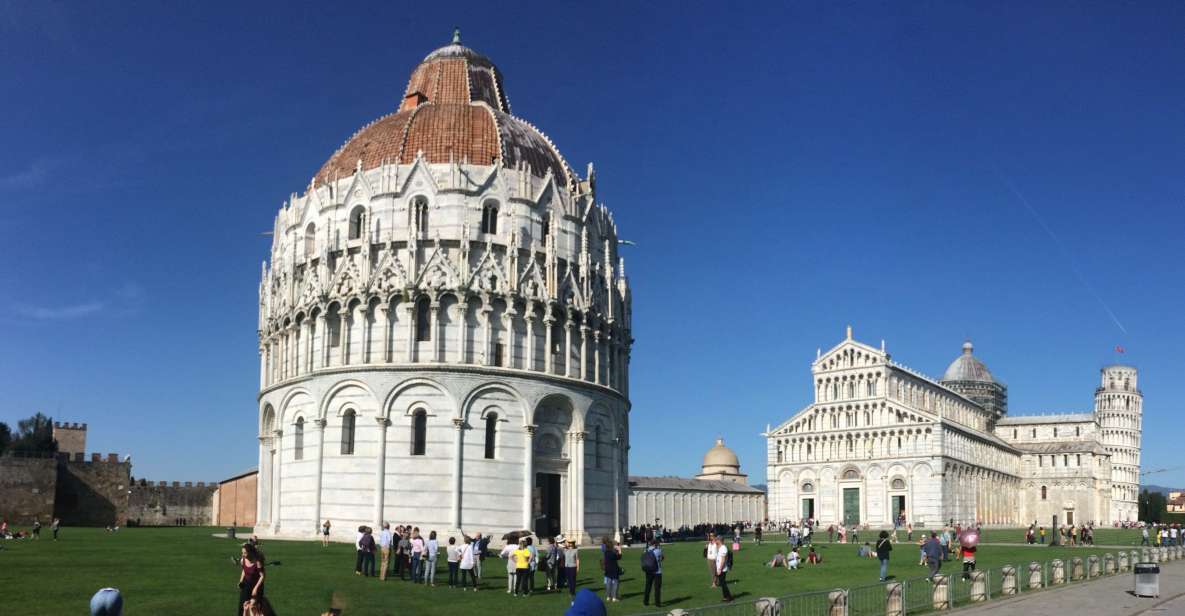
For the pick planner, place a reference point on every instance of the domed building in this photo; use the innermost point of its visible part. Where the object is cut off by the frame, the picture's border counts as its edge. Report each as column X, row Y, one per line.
column 884, row 444
column 444, row 328
column 719, row 494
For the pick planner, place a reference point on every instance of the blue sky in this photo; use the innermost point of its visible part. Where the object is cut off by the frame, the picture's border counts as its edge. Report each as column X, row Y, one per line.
column 785, row 171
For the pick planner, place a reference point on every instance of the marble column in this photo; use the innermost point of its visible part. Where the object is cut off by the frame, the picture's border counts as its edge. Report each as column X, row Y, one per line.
column 347, row 326
column 277, row 466
column 462, row 330
column 579, row 461
column 616, row 490
column 458, row 428
column 529, row 478
column 323, row 327
column 437, row 332
column 530, row 350
column 263, row 382
column 548, row 356
column 383, row 324
column 509, row 334
column 363, row 331
column 597, row 356
column 487, row 356
column 321, row 423
column 583, row 373
column 411, row 329
column 380, row 479
column 568, row 347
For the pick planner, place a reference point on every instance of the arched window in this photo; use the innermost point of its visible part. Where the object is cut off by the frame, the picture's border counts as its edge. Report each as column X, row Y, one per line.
column 898, row 484
column 489, row 217
column 423, row 321
column 419, row 208
column 851, row 474
column 357, row 218
column 545, row 223
column 298, row 450
column 419, row 432
column 1055, row 432
column 348, row 425
column 1078, row 431
column 310, row 241
column 491, row 434
column 808, row 487
column 597, row 447
column 1044, row 493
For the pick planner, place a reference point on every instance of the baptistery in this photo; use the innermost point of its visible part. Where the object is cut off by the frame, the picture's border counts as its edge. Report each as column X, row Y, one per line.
column 444, row 328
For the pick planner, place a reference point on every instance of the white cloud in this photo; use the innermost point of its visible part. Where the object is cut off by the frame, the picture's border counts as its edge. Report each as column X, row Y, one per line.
column 60, row 313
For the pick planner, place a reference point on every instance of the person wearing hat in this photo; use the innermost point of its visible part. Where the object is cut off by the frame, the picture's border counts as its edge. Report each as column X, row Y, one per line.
column 107, row 602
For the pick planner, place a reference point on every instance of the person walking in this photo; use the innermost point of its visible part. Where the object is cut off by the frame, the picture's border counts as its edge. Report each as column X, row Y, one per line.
column 723, row 564
column 54, row 526
column 968, row 560
column 710, row 555
column 431, row 548
column 610, row 562
column 384, row 551
column 251, row 576
column 452, row 554
column 933, row 551
column 467, row 563
column 757, row 534
column 520, row 557
column 325, row 534
column 1143, row 536
column 571, row 566
column 652, row 567
column 883, row 547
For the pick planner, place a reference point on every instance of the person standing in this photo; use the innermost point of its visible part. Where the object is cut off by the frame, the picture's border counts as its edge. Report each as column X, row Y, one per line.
column 384, row 551
column 552, row 566
column 710, row 555
column 652, row 567
column 54, row 526
column 251, row 577
column 520, row 559
column 430, row 551
column 933, row 551
column 325, row 534
column 571, row 566
column 757, row 534
column 507, row 554
column 416, row 556
column 468, row 562
column 358, row 550
column 968, row 560
column 36, row 528
column 883, row 547
column 611, row 557
column 453, row 555
column 533, row 565
column 403, row 554
column 368, row 546
column 723, row 564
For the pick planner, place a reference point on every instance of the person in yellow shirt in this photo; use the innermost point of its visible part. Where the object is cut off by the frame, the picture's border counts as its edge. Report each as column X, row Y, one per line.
column 522, row 568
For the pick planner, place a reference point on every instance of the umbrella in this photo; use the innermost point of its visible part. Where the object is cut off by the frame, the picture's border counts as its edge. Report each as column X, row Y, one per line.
column 514, row 535
column 969, row 538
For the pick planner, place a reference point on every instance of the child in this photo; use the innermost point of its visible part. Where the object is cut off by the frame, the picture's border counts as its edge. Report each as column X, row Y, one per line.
column 968, row 561
column 814, row 558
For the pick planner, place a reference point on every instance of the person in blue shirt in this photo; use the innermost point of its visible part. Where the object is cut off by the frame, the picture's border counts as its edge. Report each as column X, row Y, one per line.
column 933, row 551
column 654, row 578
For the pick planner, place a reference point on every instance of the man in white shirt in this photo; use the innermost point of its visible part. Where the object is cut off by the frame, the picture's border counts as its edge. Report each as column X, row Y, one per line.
column 384, row 550
column 722, row 569
column 710, row 554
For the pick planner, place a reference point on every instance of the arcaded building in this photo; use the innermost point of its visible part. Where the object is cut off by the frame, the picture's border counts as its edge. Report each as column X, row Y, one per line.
column 719, row 494
column 444, row 328
column 882, row 442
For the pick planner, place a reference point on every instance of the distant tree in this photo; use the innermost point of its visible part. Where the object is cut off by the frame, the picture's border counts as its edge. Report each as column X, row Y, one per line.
column 34, row 435
column 1153, row 506
column 5, row 437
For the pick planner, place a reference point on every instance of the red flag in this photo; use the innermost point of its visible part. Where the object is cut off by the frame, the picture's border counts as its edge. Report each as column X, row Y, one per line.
column 1118, row 349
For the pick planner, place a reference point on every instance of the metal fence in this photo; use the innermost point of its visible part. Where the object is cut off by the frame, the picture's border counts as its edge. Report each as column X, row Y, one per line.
column 947, row 591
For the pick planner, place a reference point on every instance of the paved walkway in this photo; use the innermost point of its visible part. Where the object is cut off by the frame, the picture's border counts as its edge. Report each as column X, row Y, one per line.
column 1108, row 596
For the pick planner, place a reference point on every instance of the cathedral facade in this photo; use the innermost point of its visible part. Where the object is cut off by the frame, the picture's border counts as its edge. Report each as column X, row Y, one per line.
column 883, row 443
column 444, row 328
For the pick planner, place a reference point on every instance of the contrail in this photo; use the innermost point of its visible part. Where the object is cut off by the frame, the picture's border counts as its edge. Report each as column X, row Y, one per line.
column 1065, row 252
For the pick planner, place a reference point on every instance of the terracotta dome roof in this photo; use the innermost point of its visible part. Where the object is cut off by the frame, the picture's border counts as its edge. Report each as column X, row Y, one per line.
column 721, row 456
column 967, row 368
column 454, row 109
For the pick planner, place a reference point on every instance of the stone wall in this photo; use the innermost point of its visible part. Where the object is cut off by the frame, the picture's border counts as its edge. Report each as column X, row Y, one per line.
column 93, row 492
column 27, row 489
column 237, row 498
column 171, row 504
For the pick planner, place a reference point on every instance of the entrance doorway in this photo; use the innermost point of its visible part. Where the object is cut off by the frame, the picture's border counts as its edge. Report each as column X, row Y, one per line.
column 898, row 507
column 808, row 508
column 546, row 504
column 851, row 506
column 1069, row 518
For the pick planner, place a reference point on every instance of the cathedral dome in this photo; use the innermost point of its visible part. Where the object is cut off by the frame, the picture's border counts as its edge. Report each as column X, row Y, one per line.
column 967, row 368
column 454, row 109
column 721, row 456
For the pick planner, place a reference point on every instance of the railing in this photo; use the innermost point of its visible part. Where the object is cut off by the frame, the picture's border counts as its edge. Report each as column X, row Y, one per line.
column 946, row 591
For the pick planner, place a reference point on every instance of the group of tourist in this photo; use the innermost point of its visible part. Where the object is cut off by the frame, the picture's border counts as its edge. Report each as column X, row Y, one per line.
column 1162, row 534
column 34, row 533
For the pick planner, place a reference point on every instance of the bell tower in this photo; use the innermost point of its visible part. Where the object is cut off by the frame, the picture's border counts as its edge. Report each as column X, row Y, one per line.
column 1118, row 408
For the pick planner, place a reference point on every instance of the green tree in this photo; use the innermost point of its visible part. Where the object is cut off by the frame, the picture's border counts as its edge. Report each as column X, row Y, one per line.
column 1153, row 506
column 34, row 435
column 5, row 437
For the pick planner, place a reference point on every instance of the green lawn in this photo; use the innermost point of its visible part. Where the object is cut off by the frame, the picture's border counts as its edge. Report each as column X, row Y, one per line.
column 1102, row 536
column 188, row 571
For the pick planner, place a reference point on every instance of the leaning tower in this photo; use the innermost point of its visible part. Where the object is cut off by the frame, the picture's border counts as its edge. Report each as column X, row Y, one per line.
column 1118, row 404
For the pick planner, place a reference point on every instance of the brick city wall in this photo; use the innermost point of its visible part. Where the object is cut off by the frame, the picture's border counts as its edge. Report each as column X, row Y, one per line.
column 171, row 504
column 236, row 501
column 92, row 492
column 27, row 489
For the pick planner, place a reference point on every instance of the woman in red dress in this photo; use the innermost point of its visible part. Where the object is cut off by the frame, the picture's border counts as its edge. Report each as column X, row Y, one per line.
column 251, row 578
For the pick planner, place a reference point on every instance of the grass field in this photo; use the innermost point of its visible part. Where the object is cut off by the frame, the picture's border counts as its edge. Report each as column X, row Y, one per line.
column 189, row 571
column 1102, row 536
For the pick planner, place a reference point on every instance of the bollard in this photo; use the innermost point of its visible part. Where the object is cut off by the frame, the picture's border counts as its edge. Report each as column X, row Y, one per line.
column 769, row 606
column 678, row 612
column 1135, row 558
column 1108, row 563
column 1146, row 555
column 1058, row 572
column 837, row 601
column 1008, row 580
column 1155, row 555
column 941, row 593
column 978, row 586
column 894, row 599
column 1076, row 569
column 1092, row 566
column 1034, row 576
column 1122, row 564
column 1164, row 554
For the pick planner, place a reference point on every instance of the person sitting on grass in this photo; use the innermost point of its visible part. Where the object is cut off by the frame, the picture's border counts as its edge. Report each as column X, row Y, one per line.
column 792, row 562
column 865, row 551
column 813, row 557
column 107, row 602
column 778, row 560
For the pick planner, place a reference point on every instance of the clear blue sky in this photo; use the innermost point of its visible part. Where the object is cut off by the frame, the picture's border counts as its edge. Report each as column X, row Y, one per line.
column 784, row 171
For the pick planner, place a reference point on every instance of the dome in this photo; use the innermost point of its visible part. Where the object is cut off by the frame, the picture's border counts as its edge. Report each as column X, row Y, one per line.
column 967, row 368
column 454, row 109
column 721, row 456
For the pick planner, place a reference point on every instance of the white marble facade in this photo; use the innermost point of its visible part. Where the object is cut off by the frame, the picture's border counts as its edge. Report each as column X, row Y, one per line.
column 881, row 441
column 445, row 343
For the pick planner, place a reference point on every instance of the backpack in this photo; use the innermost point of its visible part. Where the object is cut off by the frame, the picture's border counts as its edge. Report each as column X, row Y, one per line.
column 728, row 559
column 649, row 562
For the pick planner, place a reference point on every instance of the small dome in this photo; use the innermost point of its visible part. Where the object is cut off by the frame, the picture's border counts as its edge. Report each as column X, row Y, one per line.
column 967, row 368
column 721, row 456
